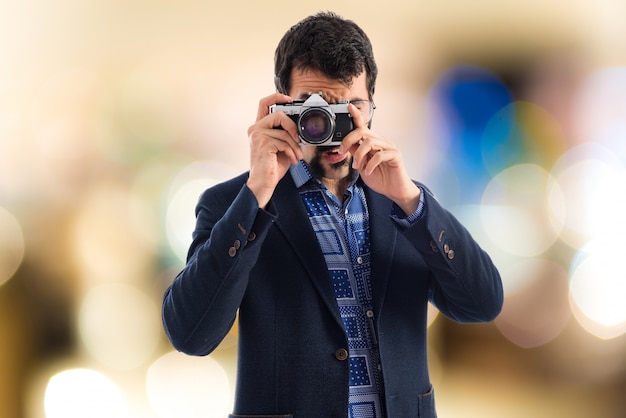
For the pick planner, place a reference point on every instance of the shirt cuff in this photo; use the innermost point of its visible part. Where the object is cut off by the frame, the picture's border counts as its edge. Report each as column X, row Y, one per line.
column 407, row 221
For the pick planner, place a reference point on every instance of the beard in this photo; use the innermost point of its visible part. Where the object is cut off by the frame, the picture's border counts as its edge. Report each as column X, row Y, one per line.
column 319, row 172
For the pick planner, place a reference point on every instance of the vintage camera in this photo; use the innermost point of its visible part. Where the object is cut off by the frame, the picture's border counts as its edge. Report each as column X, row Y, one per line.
column 319, row 123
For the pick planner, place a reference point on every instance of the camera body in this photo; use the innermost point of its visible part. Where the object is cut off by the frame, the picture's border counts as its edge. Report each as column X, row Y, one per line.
column 318, row 122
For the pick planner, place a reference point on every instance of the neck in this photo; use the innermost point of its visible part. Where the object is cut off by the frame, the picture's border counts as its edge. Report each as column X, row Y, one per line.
column 337, row 187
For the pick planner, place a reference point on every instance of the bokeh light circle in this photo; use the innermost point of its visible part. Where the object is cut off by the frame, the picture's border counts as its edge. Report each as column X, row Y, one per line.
column 598, row 287
column 521, row 133
column 80, row 393
column 119, row 325
column 183, row 195
column 539, row 312
column 180, row 221
column 599, row 107
column 12, row 245
column 593, row 185
column 463, row 102
column 109, row 238
column 515, row 210
column 186, row 386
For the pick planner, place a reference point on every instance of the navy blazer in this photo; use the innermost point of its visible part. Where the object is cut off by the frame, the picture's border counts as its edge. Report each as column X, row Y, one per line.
column 267, row 266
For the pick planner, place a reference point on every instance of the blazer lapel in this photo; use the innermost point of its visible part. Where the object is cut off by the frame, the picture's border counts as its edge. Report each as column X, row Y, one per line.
column 293, row 223
column 383, row 243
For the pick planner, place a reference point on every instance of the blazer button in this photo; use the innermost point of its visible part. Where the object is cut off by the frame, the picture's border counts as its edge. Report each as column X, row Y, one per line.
column 341, row 354
column 232, row 251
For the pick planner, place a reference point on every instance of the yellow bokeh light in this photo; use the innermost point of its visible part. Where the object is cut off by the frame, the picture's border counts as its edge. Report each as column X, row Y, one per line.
column 185, row 386
column 119, row 325
column 432, row 314
column 11, row 245
column 109, row 242
column 80, row 393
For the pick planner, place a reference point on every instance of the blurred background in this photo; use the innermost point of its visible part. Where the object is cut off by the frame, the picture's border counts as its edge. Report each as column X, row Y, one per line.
column 115, row 115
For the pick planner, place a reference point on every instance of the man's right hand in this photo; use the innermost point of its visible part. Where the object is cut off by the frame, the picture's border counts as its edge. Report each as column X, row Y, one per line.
column 274, row 146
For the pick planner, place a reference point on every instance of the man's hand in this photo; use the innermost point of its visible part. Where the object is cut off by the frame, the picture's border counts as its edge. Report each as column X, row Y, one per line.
column 380, row 164
column 274, row 146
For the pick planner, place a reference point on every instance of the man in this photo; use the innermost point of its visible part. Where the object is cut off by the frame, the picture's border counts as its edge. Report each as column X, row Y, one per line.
column 329, row 254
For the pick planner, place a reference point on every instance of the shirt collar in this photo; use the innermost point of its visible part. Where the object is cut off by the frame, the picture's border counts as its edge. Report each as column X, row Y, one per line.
column 300, row 173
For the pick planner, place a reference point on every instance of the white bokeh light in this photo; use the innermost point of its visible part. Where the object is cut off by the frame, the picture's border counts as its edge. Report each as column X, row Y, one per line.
column 515, row 274
column 185, row 386
column 182, row 199
column 593, row 185
column 180, row 221
column 598, row 287
column 515, row 211
column 80, row 393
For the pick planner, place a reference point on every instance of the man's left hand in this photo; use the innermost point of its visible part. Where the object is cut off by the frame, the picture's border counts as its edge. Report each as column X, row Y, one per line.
column 380, row 164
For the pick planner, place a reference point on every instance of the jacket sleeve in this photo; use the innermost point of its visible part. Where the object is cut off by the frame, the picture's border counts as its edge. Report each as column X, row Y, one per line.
column 200, row 305
column 466, row 285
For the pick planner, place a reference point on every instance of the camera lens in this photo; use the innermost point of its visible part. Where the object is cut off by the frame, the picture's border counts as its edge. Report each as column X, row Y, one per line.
column 316, row 125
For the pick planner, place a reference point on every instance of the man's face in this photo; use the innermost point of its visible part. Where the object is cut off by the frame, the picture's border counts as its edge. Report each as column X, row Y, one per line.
column 325, row 162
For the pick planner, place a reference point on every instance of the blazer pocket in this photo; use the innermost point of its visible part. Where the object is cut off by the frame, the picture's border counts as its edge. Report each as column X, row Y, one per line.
column 260, row 416
column 426, row 402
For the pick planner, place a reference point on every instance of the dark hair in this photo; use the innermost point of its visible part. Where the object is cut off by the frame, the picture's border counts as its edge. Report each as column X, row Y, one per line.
column 328, row 43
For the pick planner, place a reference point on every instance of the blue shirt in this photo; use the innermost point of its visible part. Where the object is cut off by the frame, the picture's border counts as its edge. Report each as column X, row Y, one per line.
column 342, row 230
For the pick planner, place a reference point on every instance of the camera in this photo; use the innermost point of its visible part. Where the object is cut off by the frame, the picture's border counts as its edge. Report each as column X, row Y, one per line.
column 319, row 123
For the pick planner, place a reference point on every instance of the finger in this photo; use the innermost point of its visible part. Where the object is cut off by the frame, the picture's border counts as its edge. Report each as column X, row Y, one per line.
column 278, row 121
column 374, row 161
column 357, row 117
column 281, row 121
column 289, row 127
column 289, row 141
column 275, row 140
column 271, row 148
column 283, row 148
column 353, row 140
column 266, row 102
column 365, row 148
column 356, row 135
